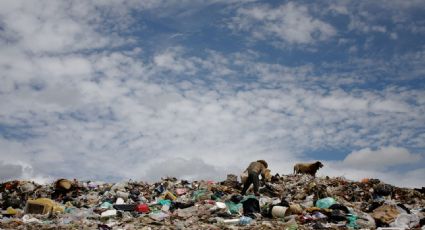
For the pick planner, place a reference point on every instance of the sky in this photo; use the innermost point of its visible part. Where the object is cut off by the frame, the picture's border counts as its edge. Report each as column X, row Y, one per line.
column 118, row 90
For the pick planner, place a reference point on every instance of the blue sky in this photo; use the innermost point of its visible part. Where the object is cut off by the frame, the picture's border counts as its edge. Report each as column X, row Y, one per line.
column 112, row 90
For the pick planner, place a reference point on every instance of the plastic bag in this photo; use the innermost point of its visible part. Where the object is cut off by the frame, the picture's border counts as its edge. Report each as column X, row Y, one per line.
column 234, row 208
column 325, row 202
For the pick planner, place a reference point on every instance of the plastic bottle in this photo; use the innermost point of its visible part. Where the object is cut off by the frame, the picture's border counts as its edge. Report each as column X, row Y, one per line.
column 231, row 221
column 245, row 220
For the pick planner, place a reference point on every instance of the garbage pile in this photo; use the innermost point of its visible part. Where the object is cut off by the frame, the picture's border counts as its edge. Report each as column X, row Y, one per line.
column 286, row 202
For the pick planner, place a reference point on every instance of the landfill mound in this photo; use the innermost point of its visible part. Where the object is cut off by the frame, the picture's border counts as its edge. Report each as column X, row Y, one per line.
column 285, row 202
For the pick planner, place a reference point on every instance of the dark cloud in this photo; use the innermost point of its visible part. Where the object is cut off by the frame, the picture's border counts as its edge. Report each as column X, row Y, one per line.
column 10, row 171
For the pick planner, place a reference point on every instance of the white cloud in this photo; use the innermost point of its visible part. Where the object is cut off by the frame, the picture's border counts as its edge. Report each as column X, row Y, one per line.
column 130, row 111
column 373, row 16
column 46, row 26
column 169, row 60
column 381, row 29
column 381, row 158
column 389, row 105
column 184, row 169
column 340, row 102
column 196, row 114
column 290, row 22
column 410, row 178
column 339, row 7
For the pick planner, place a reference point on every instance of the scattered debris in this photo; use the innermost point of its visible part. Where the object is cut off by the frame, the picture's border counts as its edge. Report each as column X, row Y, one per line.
column 286, row 202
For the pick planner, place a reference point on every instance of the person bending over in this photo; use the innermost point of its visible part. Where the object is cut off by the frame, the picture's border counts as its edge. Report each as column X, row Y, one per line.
column 255, row 169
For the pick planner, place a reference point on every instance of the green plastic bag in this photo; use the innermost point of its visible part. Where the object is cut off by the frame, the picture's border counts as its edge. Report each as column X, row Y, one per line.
column 234, row 208
column 352, row 221
column 164, row 202
column 197, row 195
column 325, row 202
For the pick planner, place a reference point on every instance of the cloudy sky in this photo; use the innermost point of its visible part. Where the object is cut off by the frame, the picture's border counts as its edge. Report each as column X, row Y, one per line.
column 113, row 90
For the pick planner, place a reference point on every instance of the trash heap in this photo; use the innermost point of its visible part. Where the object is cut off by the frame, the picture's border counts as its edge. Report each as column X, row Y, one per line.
column 286, row 202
